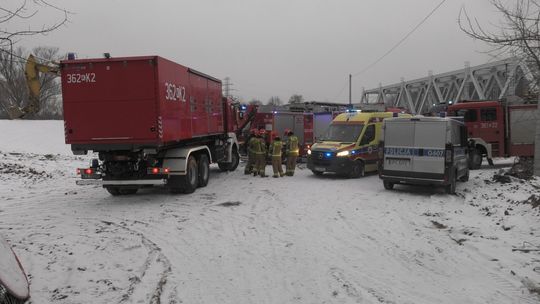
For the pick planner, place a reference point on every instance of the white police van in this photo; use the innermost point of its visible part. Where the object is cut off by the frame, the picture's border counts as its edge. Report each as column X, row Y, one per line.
column 424, row 150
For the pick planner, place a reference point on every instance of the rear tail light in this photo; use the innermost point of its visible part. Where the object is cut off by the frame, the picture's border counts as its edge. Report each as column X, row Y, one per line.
column 157, row 170
column 78, row 171
column 88, row 171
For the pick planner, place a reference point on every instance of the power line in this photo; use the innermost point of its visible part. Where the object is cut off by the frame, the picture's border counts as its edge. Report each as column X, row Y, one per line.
column 401, row 41
column 395, row 46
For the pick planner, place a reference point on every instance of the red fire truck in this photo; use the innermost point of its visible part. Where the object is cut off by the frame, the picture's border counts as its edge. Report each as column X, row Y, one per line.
column 150, row 120
column 497, row 129
column 307, row 126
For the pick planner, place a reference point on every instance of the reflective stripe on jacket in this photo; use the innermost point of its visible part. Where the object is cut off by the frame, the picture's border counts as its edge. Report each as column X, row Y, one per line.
column 258, row 147
column 276, row 147
column 292, row 145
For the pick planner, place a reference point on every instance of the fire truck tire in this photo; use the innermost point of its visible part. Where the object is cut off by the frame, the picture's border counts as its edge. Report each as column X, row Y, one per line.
column 204, row 170
column 190, row 181
column 235, row 159
column 357, row 170
column 451, row 187
column 475, row 160
column 185, row 183
column 388, row 185
column 233, row 164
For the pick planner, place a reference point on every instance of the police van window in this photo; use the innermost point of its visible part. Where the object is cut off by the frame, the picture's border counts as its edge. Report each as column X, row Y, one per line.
column 488, row 114
column 369, row 135
column 469, row 115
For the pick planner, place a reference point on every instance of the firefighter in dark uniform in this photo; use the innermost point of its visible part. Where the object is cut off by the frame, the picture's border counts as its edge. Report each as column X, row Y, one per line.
column 275, row 152
column 259, row 150
column 292, row 149
column 251, row 157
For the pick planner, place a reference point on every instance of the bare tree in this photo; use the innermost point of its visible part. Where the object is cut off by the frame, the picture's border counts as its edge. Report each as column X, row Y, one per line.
column 12, row 79
column 296, row 98
column 15, row 21
column 274, row 101
column 519, row 35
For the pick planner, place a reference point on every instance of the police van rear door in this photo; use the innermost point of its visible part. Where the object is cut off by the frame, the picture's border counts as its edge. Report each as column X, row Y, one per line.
column 398, row 144
column 429, row 143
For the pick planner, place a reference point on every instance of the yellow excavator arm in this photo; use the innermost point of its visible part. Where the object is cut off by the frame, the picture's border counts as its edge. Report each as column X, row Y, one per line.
column 31, row 72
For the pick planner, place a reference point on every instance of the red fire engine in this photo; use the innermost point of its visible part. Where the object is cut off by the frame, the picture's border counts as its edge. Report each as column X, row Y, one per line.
column 497, row 129
column 151, row 121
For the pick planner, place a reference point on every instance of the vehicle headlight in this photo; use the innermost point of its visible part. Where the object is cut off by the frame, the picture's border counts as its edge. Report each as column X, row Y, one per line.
column 343, row 153
column 308, row 151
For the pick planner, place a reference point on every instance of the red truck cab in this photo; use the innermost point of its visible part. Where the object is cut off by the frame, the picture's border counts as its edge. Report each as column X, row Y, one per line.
column 497, row 129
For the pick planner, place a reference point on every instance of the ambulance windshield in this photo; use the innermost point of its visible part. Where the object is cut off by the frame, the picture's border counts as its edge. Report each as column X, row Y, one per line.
column 345, row 133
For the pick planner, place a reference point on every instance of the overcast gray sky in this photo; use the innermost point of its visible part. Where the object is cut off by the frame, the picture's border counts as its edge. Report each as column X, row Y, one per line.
column 276, row 47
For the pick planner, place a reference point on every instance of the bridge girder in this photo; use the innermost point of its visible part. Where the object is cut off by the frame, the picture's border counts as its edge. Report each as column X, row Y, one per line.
column 491, row 81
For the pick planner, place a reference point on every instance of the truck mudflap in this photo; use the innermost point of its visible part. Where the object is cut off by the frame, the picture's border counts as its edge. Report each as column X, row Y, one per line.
column 139, row 182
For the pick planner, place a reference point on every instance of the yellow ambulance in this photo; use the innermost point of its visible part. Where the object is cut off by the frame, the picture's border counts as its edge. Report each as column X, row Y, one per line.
column 350, row 145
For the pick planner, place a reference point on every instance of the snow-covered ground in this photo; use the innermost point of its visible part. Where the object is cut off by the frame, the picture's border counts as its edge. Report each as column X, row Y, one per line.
column 251, row 240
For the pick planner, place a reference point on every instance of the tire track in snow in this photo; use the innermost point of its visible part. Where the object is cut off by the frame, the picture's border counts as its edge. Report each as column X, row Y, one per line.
column 154, row 256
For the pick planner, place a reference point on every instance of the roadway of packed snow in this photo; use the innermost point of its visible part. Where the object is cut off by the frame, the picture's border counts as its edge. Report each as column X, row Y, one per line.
column 251, row 240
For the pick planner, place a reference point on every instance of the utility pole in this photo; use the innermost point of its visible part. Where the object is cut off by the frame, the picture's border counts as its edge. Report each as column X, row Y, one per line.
column 350, row 91
column 536, row 165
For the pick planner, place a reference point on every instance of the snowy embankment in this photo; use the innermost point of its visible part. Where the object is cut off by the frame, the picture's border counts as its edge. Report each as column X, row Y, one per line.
column 251, row 240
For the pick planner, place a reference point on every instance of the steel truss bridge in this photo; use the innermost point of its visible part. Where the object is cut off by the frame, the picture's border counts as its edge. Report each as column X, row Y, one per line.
column 508, row 78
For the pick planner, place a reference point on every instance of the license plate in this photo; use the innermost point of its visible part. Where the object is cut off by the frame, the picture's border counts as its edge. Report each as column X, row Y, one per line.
column 90, row 176
column 398, row 161
column 320, row 169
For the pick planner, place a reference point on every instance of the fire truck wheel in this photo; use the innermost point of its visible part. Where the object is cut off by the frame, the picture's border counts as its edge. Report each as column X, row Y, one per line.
column 357, row 170
column 233, row 164
column 204, row 170
column 191, row 179
column 235, row 159
column 388, row 185
column 475, row 160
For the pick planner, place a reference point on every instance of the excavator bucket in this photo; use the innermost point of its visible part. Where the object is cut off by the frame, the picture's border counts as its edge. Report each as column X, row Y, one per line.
column 15, row 112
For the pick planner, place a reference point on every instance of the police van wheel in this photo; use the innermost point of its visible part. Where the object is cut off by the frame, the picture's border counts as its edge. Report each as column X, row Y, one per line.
column 475, row 159
column 465, row 177
column 388, row 185
column 204, row 170
column 114, row 191
column 128, row 191
column 451, row 187
column 358, row 170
